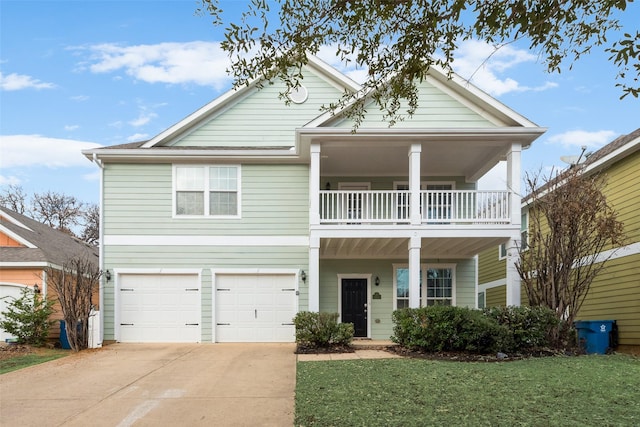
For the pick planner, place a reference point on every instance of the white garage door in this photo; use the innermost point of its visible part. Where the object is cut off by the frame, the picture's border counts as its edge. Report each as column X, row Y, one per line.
column 159, row 308
column 8, row 294
column 255, row 308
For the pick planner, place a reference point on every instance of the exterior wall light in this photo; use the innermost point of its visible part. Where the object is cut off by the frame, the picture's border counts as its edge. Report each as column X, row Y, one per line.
column 303, row 276
column 107, row 275
column 377, row 281
column 36, row 289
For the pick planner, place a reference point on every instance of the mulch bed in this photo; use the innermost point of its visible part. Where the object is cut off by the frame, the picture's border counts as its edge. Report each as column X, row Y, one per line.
column 439, row 355
column 469, row 357
column 7, row 351
column 302, row 349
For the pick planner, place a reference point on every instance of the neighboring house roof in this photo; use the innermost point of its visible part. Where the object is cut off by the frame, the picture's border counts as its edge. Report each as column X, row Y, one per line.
column 617, row 149
column 42, row 244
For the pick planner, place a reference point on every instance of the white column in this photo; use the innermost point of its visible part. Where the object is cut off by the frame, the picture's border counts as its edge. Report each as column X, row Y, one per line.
column 313, row 276
column 314, row 185
column 513, row 278
column 513, row 181
column 415, row 244
column 414, row 183
column 513, row 185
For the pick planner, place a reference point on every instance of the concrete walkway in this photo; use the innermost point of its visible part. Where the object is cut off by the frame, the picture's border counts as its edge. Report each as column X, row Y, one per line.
column 155, row 385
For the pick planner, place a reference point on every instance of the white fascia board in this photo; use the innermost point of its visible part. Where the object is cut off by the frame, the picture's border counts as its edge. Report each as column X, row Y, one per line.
column 12, row 220
column 177, row 154
column 228, row 97
column 624, row 151
column 481, row 98
column 407, row 231
column 507, row 134
column 343, row 81
column 9, row 264
column 17, row 237
column 138, row 240
column 199, row 114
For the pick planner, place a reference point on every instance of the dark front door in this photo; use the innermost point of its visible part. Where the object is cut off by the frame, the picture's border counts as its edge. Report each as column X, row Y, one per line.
column 354, row 305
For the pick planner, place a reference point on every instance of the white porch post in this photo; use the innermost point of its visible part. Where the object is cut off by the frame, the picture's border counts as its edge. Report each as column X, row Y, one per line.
column 415, row 244
column 314, row 185
column 313, row 278
column 513, row 181
column 414, row 183
column 513, row 185
column 513, row 278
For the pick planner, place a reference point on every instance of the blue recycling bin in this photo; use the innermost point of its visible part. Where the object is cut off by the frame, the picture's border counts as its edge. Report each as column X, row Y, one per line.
column 64, row 341
column 596, row 336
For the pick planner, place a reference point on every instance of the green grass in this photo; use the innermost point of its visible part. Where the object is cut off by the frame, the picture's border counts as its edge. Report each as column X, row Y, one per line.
column 25, row 360
column 558, row 391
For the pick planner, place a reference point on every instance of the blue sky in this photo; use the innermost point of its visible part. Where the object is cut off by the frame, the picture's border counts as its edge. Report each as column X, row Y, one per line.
column 81, row 74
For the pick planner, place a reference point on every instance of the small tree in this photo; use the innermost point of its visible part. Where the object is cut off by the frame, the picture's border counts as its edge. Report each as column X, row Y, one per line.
column 27, row 318
column 75, row 284
column 570, row 224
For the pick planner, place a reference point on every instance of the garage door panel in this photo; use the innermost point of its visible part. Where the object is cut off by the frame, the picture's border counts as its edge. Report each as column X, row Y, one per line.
column 255, row 308
column 159, row 308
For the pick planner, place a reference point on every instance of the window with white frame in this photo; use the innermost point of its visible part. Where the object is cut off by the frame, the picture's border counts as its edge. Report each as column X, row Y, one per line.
column 207, row 191
column 439, row 288
column 524, row 236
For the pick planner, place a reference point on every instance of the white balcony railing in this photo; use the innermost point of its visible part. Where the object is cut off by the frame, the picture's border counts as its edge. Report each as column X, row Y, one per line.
column 436, row 207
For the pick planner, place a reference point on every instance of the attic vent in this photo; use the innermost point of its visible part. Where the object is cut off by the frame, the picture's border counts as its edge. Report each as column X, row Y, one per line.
column 298, row 95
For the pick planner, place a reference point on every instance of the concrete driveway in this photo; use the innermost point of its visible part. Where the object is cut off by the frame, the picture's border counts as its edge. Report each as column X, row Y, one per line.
column 156, row 385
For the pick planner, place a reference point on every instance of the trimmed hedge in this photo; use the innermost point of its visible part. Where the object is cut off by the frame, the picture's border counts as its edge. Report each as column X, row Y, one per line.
column 321, row 330
column 528, row 327
column 448, row 328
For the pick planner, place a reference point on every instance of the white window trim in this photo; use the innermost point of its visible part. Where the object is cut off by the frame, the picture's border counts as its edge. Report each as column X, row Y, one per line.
column 524, row 213
column 424, row 267
column 206, row 167
column 500, row 256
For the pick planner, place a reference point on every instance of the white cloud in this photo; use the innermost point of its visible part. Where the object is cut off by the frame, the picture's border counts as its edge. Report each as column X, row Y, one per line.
column 80, row 98
column 16, row 81
column 138, row 137
column 9, row 180
column 577, row 138
column 37, row 150
column 142, row 119
column 198, row 62
column 484, row 65
column 71, row 127
column 93, row 176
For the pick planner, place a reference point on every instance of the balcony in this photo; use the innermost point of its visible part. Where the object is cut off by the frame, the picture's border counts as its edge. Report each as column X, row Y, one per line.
column 394, row 207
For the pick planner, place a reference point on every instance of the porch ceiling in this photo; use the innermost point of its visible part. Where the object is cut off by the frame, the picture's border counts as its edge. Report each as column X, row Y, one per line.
column 397, row 248
column 469, row 152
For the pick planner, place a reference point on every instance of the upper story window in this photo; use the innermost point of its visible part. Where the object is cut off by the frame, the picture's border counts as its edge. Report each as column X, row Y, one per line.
column 207, row 191
column 524, row 236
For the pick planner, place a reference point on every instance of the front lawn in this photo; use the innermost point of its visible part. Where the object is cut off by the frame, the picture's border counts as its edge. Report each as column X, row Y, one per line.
column 553, row 391
column 14, row 360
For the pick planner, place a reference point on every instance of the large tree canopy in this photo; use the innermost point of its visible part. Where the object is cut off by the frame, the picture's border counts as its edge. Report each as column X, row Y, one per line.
column 397, row 41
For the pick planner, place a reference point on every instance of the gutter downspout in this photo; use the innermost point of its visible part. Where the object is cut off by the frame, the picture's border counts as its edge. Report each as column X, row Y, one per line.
column 101, row 246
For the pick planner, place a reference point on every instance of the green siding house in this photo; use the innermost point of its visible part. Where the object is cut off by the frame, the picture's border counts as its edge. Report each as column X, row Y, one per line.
column 615, row 294
column 224, row 226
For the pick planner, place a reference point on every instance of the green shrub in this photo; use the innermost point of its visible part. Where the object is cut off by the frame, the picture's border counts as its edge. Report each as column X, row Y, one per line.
column 528, row 327
column 447, row 328
column 321, row 330
column 27, row 318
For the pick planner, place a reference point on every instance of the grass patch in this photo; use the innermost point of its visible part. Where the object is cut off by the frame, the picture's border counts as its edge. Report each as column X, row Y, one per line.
column 38, row 356
column 554, row 391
